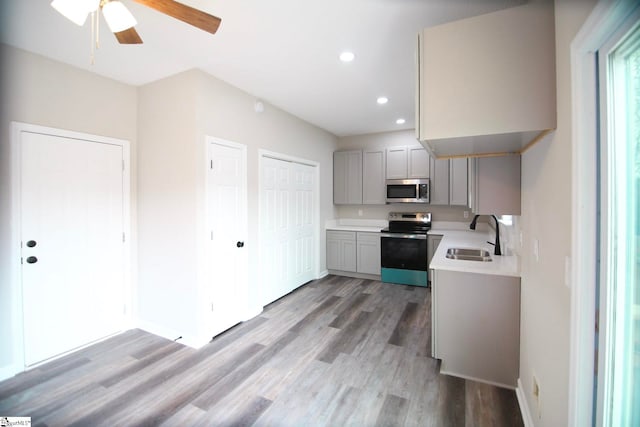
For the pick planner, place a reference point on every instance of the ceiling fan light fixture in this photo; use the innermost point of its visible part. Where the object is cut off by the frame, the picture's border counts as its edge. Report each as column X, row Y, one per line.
column 73, row 10
column 118, row 16
column 92, row 5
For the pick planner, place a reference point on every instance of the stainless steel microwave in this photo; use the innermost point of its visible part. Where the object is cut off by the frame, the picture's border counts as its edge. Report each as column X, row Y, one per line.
column 407, row 190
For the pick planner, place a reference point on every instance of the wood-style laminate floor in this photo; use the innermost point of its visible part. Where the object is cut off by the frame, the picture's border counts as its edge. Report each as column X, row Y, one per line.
column 336, row 352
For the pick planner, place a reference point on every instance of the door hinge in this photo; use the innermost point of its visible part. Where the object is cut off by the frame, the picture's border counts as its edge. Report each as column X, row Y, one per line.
column 123, row 238
column 211, row 234
column 211, row 164
column 211, row 306
column 21, row 260
column 123, row 166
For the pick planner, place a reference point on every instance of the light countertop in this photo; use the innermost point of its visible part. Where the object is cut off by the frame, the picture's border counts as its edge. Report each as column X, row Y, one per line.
column 363, row 225
column 501, row 265
column 455, row 235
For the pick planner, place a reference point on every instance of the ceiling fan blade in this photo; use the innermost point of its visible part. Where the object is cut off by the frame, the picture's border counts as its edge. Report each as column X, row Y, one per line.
column 129, row 36
column 184, row 13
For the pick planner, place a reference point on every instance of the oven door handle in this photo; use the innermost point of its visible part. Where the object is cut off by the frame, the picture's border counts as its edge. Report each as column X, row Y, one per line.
column 405, row 236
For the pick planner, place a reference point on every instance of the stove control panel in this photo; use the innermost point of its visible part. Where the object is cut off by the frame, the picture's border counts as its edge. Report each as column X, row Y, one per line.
column 410, row 216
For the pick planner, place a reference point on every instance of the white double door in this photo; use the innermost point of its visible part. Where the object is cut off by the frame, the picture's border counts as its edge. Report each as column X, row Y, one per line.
column 71, row 230
column 227, row 219
column 288, row 248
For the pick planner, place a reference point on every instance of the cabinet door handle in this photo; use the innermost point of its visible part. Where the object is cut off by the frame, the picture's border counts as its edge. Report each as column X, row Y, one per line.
column 31, row 243
column 32, row 260
column 240, row 244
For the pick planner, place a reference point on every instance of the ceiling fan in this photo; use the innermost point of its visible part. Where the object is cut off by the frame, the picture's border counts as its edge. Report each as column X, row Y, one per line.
column 122, row 23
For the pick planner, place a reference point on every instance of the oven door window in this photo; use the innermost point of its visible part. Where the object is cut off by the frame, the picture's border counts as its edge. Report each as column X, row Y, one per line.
column 397, row 191
column 403, row 253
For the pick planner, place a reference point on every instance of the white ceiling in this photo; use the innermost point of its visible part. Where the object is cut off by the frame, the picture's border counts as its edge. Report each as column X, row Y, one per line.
column 284, row 52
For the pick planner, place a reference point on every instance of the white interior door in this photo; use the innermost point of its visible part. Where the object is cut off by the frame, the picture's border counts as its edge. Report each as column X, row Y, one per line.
column 275, row 230
column 288, row 244
column 227, row 211
column 302, row 187
column 73, row 253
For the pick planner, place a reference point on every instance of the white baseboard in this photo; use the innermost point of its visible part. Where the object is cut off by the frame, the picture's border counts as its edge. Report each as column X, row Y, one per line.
column 169, row 334
column 251, row 313
column 322, row 274
column 195, row 342
column 524, row 407
column 355, row 275
column 476, row 379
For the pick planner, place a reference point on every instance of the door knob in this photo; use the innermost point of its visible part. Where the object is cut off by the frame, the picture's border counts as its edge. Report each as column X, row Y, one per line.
column 240, row 244
column 32, row 260
column 31, row 243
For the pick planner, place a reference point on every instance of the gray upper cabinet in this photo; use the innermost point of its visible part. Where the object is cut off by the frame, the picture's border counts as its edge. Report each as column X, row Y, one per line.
column 396, row 163
column 373, row 177
column 418, row 162
column 407, row 162
column 458, row 182
column 494, row 185
column 347, row 177
column 439, row 180
column 486, row 84
column 449, row 182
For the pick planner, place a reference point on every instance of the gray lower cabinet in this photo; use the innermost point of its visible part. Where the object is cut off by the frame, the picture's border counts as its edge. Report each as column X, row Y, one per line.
column 368, row 253
column 353, row 252
column 476, row 326
column 433, row 241
column 341, row 250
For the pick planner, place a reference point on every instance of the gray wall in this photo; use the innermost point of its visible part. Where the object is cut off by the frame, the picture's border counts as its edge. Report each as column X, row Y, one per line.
column 176, row 114
column 39, row 91
column 183, row 108
column 546, row 216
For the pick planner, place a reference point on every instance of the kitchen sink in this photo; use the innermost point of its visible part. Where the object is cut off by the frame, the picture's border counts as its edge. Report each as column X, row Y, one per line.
column 464, row 254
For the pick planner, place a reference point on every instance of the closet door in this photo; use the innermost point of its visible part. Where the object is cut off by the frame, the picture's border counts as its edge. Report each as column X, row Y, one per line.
column 287, row 226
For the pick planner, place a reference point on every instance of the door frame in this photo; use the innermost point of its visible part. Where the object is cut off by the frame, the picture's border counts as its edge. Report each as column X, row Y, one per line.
column 262, row 154
column 18, row 353
column 604, row 20
column 244, row 231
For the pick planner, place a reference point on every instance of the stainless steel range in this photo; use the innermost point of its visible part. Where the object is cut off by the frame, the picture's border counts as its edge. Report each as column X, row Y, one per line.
column 404, row 248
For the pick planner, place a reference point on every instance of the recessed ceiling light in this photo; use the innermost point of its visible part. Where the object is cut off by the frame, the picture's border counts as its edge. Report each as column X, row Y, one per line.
column 400, row 121
column 347, row 56
column 382, row 100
